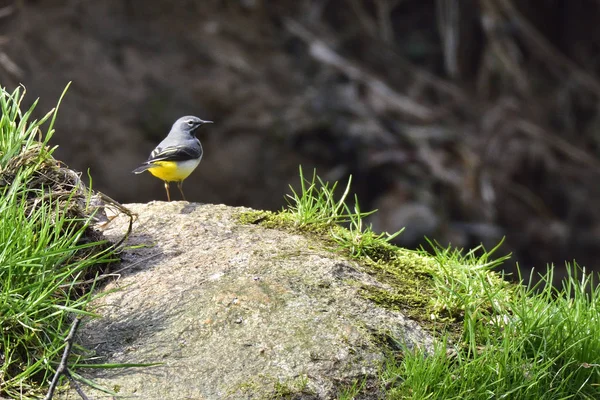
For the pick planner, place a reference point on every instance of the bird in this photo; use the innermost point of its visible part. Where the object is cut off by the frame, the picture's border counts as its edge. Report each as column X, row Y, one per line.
column 178, row 155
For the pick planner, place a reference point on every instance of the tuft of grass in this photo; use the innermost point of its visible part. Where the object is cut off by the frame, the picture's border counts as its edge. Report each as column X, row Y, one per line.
column 317, row 204
column 544, row 343
column 47, row 249
column 352, row 390
column 465, row 283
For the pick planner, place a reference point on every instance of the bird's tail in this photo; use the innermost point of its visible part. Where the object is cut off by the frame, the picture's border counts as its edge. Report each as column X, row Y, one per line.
column 142, row 168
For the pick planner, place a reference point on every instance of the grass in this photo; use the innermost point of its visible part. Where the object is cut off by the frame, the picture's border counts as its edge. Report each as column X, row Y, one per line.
column 543, row 344
column 47, row 249
column 317, row 205
column 496, row 339
column 352, row 390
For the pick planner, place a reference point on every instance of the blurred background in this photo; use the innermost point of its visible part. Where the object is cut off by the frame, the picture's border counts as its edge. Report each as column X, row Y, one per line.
column 463, row 120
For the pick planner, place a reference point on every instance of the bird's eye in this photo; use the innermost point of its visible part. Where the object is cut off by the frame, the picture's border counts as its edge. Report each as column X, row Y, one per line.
column 190, row 122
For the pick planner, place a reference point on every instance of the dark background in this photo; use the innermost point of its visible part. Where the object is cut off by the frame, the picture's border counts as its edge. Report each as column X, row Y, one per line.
column 462, row 120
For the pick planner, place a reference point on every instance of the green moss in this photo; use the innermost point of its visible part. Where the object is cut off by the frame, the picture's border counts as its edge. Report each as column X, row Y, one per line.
column 285, row 221
column 254, row 217
column 269, row 387
column 253, row 387
column 291, row 388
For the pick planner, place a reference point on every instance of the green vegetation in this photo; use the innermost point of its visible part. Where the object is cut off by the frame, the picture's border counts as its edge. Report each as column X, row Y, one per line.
column 47, row 250
column 264, row 386
column 353, row 390
column 495, row 339
column 541, row 343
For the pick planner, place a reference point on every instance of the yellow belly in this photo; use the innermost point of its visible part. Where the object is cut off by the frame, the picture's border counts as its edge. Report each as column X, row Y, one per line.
column 171, row 171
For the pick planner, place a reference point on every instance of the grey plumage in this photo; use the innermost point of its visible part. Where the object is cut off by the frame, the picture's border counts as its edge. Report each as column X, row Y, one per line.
column 176, row 157
column 180, row 144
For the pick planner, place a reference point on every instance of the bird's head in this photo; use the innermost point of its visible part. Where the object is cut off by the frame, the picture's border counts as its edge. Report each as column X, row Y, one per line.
column 189, row 124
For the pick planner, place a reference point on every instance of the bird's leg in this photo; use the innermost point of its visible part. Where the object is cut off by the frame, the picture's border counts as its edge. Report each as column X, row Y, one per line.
column 167, row 189
column 180, row 187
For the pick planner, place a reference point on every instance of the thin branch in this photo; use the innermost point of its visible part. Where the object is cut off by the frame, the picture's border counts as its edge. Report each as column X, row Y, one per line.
column 320, row 51
column 6, row 11
column 448, row 21
column 62, row 367
column 559, row 144
column 10, row 66
column 384, row 10
column 546, row 48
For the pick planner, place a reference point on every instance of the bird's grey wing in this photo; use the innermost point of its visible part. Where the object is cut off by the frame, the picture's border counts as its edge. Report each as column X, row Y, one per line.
column 176, row 153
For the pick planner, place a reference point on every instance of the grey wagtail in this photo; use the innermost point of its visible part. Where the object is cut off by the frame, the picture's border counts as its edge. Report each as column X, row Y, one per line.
column 177, row 155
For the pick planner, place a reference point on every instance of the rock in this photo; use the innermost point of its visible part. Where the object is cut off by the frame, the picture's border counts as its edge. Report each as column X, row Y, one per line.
column 234, row 311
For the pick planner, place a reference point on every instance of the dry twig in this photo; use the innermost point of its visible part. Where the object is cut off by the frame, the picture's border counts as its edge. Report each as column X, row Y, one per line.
column 323, row 53
column 63, row 369
column 550, row 52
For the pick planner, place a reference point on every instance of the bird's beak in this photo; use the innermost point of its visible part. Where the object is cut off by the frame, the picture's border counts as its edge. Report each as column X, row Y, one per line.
column 206, row 122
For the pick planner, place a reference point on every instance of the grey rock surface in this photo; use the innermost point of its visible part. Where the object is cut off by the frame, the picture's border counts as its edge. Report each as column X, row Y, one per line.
column 233, row 311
